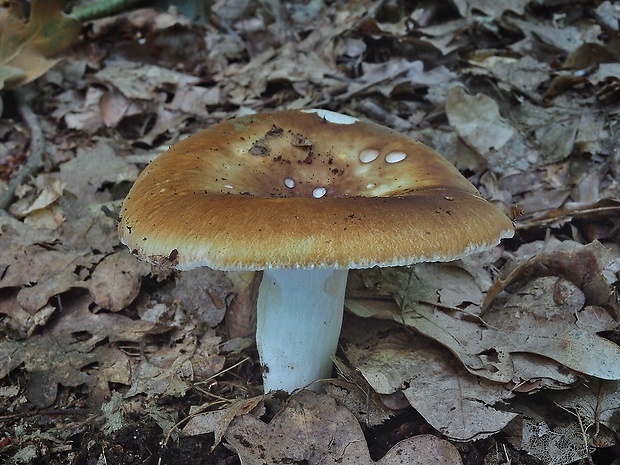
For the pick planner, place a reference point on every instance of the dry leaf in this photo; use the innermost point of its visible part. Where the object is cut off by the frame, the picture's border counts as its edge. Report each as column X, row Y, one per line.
column 116, row 280
column 493, row 8
column 203, row 293
column 583, row 265
column 524, row 74
column 91, row 168
column 140, row 81
column 560, row 444
column 486, row 350
column 477, row 121
column 30, row 46
column 463, row 406
column 314, row 429
column 596, row 403
column 169, row 372
column 60, row 354
column 218, row 421
column 565, row 38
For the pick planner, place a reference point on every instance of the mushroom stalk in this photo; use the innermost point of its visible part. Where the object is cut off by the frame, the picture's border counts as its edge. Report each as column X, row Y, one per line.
column 299, row 317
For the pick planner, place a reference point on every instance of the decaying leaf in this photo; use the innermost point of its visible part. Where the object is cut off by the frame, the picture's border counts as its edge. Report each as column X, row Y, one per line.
column 586, row 266
column 169, row 373
column 203, row 293
column 463, row 405
column 314, row 429
column 494, row 9
column 218, row 421
column 40, row 273
column 30, row 46
column 59, row 355
column 596, row 404
column 487, row 129
column 116, row 280
column 486, row 350
column 560, row 444
column 527, row 341
column 357, row 395
column 93, row 167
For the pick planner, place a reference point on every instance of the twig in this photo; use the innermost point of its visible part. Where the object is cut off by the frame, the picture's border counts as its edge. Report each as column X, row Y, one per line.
column 37, row 146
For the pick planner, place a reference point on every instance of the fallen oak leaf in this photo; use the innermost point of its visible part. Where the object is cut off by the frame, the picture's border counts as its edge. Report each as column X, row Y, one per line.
column 31, row 46
column 485, row 349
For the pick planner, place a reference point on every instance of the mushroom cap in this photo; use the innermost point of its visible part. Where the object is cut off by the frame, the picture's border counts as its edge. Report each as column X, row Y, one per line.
column 304, row 189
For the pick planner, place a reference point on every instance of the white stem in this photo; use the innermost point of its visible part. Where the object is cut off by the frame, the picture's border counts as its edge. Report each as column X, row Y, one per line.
column 299, row 317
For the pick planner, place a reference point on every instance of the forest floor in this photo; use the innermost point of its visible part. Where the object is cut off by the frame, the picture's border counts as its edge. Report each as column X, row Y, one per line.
column 505, row 357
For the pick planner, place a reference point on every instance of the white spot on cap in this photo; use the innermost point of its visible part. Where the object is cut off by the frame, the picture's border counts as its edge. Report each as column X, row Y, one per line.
column 319, row 192
column 368, row 155
column 370, row 185
column 289, row 182
column 332, row 116
column 228, row 186
column 395, row 157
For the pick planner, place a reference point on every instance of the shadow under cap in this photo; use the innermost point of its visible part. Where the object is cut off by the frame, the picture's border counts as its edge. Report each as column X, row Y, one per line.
column 243, row 195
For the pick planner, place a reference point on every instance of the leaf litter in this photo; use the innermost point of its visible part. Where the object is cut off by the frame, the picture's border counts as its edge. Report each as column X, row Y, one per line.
column 523, row 98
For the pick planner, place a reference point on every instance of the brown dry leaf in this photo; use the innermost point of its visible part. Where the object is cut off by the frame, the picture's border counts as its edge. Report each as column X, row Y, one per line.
column 391, row 360
column 565, row 38
column 140, row 81
column 87, row 227
column 40, row 273
column 51, row 192
column 167, row 372
column 313, row 429
column 493, row 8
column 486, row 350
column 47, row 364
column 33, row 298
column 218, row 421
column 30, row 46
column 524, row 74
column 586, row 266
column 554, row 129
column 477, row 121
column 60, row 354
column 203, row 293
column 597, row 404
column 114, row 106
column 82, row 113
column 354, row 392
column 116, row 281
column 445, row 35
column 554, row 444
column 91, row 168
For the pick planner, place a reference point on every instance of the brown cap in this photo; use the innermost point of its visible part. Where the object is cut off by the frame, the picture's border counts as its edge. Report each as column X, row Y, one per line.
column 304, row 188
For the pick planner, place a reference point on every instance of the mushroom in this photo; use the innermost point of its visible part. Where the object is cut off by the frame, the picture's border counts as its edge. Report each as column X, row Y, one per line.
column 304, row 195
